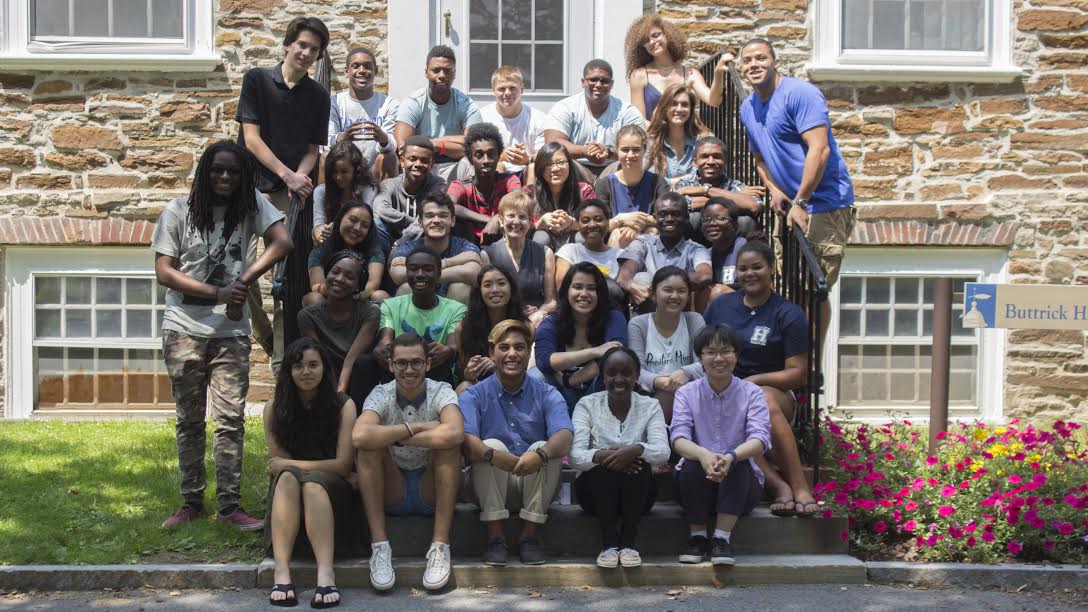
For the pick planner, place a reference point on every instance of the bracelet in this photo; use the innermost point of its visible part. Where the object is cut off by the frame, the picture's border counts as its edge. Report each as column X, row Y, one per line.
column 734, row 453
column 540, row 452
column 412, row 433
column 442, row 147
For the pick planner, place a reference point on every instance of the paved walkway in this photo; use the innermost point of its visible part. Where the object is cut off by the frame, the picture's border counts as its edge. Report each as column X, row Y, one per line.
column 777, row 598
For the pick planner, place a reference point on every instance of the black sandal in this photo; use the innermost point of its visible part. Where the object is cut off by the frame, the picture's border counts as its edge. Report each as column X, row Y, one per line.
column 783, row 511
column 287, row 602
column 323, row 591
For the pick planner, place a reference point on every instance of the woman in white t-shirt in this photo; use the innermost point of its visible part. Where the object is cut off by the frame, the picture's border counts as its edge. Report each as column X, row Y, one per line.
column 592, row 218
column 663, row 339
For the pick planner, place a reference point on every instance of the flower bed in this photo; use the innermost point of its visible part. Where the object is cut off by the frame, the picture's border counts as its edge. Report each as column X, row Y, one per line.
column 987, row 495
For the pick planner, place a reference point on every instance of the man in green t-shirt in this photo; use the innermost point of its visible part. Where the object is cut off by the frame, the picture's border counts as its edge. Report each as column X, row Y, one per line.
column 424, row 313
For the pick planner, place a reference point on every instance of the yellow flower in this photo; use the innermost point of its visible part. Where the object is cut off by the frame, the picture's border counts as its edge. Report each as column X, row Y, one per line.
column 1000, row 431
column 952, row 459
column 1034, row 457
column 998, row 450
column 1000, row 472
column 976, row 466
column 980, row 435
column 1016, row 447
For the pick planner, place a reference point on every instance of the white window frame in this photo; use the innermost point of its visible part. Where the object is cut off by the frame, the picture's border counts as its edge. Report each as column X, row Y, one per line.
column 21, row 264
column 988, row 265
column 831, row 62
column 411, row 20
column 197, row 53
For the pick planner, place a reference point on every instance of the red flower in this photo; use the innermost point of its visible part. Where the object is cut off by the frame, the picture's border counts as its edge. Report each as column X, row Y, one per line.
column 1048, row 545
column 988, row 536
column 911, row 505
column 971, row 542
column 931, row 460
column 1065, row 528
column 1015, row 547
column 880, row 527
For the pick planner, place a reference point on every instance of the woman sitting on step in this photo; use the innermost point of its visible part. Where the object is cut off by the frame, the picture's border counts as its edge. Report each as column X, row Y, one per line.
column 494, row 299
column 308, row 431
column 618, row 436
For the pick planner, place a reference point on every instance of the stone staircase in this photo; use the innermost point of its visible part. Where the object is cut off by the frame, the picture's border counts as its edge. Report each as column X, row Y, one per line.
column 769, row 550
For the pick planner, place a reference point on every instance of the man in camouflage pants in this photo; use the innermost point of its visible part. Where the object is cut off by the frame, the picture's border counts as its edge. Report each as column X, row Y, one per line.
column 200, row 257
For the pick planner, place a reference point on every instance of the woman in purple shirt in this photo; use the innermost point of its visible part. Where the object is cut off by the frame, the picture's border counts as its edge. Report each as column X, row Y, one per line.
column 719, row 423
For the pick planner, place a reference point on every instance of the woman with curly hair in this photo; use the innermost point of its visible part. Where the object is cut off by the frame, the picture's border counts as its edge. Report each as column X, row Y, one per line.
column 654, row 49
column 495, row 298
column 673, row 131
column 347, row 177
column 308, row 432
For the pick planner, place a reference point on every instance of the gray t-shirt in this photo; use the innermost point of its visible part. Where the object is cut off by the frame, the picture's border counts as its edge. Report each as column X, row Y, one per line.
column 379, row 108
column 337, row 336
column 572, row 117
column 384, row 400
column 210, row 258
column 650, row 252
column 607, row 261
column 399, row 210
column 438, row 120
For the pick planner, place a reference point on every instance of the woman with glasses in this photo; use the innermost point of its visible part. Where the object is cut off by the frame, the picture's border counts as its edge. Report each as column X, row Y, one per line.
column 774, row 345
column 655, row 50
column 557, row 192
column 720, row 426
column 720, row 228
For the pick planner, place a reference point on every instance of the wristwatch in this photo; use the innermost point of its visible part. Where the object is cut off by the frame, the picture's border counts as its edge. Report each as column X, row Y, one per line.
column 706, row 189
column 489, row 456
column 800, row 202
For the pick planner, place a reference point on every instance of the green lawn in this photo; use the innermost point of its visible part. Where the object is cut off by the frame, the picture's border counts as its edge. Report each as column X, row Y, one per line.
column 97, row 492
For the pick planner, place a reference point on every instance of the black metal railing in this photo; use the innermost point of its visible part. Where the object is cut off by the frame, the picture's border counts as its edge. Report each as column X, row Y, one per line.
column 800, row 279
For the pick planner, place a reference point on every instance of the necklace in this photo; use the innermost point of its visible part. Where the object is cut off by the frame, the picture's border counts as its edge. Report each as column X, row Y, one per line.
column 666, row 71
column 755, row 307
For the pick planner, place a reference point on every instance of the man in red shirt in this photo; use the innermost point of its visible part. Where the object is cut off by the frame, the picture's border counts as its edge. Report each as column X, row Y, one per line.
column 477, row 198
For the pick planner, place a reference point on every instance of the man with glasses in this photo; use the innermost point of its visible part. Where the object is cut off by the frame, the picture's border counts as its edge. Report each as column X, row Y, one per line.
column 424, row 313
column 587, row 123
column 408, row 441
column 719, row 230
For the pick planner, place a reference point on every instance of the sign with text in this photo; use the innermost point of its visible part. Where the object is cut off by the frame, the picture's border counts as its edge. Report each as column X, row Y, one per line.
column 1025, row 306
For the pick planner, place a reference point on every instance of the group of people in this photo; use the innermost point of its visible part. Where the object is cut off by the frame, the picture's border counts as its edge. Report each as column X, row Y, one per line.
column 499, row 292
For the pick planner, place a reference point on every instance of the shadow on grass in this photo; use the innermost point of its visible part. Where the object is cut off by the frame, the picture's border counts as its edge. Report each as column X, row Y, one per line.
column 97, row 492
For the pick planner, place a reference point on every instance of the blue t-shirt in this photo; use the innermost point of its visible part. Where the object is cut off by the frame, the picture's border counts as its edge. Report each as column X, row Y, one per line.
column 776, row 330
column 547, row 338
column 774, row 132
column 531, row 414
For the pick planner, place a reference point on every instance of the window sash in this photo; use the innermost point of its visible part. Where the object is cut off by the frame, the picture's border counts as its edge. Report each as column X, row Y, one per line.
column 151, row 11
column 868, row 22
column 500, row 41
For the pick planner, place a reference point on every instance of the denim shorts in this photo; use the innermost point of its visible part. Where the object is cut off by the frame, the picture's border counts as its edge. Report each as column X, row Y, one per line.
column 412, row 503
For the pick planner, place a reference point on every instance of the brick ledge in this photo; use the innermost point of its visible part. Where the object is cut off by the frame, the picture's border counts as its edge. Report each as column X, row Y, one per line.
column 54, row 231
column 948, row 233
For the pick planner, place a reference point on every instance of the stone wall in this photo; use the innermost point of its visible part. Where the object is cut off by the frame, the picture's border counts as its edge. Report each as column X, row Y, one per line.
column 116, row 145
column 948, row 163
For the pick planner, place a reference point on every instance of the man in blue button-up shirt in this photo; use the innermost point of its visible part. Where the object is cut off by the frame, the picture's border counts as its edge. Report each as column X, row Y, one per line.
column 516, row 430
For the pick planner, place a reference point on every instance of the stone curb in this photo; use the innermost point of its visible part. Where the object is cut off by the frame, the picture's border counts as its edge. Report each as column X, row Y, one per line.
column 978, row 575
column 96, row 577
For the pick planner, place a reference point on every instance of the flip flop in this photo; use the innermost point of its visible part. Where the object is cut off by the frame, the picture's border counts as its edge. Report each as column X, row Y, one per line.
column 782, row 511
column 288, row 602
column 323, row 591
column 807, row 513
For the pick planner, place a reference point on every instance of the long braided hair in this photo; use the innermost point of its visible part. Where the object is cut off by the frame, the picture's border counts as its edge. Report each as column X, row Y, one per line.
column 244, row 200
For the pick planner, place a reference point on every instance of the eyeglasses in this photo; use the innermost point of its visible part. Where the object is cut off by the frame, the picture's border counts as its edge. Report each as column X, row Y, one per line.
column 404, row 364
column 718, row 219
column 558, row 164
column 715, row 354
column 600, row 80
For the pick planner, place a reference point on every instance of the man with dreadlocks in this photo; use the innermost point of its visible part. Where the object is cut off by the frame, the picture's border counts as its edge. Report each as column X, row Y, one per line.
column 200, row 257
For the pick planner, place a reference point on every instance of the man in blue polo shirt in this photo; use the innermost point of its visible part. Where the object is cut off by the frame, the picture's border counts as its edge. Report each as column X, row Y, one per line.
column 516, row 430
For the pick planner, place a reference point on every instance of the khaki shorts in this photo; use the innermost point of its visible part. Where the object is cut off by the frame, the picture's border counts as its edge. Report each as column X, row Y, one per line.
column 828, row 233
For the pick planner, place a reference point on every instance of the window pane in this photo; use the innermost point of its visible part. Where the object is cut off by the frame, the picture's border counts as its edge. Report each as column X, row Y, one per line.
column 962, row 358
column 108, row 291
column 520, row 56
column 160, row 291
column 484, row 20
column 46, row 290
column 92, row 18
column 927, row 323
column 876, row 322
column 850, row 290
column 50, row 375
column 168, row 21
column 77, row 323
column 961, row 388
column 138, row 290
column 108, row 323
column 848, row 358
column 111, row 376
column 549, row 19
column 963, row 24
column 903, row 387
column 906, row 291
column 517, row 20
column 850, row 323
column 848, row 387
column 874, row 387
column 139, row 324
column 903, row 358
column 549, row 68
column 81, row 375
column 483, row 58
column 78, row 290
column 888, row 20
column 50, row 17
column 130, row 18
column 141, row 379
column 906, row 322
column 47, row 323
column 874, row 358
column 877, row 290
column 855, row 24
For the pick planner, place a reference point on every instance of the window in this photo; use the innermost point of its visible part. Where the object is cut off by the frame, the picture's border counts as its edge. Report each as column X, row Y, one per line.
column 89, row 34
column 958, row 40
column 529, row 34
column 879, row 349
column 83, row 331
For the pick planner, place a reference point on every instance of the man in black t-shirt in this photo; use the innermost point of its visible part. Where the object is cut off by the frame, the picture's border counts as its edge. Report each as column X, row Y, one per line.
column 285, row 119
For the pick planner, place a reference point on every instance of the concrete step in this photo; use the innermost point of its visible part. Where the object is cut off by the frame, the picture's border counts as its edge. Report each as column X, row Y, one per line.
column 571, row 532
column 576, row 572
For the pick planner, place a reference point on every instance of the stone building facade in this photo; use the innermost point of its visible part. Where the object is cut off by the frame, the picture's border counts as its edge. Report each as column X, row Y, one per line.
column 947, row 169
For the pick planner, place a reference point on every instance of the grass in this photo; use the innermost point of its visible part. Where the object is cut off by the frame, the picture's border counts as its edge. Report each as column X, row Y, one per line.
column 97, row 492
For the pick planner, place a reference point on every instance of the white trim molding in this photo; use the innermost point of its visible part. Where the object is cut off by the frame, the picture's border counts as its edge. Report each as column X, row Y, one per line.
column 194, row 52
column 831, row 62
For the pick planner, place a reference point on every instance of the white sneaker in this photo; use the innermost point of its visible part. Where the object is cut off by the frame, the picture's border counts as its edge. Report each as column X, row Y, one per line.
column 609, row 557
column 382, row 576
column 437, row 573
column 629, row 557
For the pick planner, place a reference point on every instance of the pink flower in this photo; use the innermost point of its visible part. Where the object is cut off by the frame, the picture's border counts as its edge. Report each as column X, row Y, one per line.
column 868, row 504
column 843, row 535
column 1048, row 545
column 948, row 491
column 841, row 498
column 971, row 542
column 910, row 525
column 955, row 532
column 988, row 536
column 911, row 506
column 826, row 514
column 1014, row 479
column 946, row 511
column 1065, row 528
column 881, row 526
column 970, row 528
column 1015, row 547
column 931, row 541
column 897, row 516
column 933, row 482
column 931, row 460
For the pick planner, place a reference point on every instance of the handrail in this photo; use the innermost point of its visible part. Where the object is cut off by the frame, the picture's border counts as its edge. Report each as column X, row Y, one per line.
column 800, row 279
